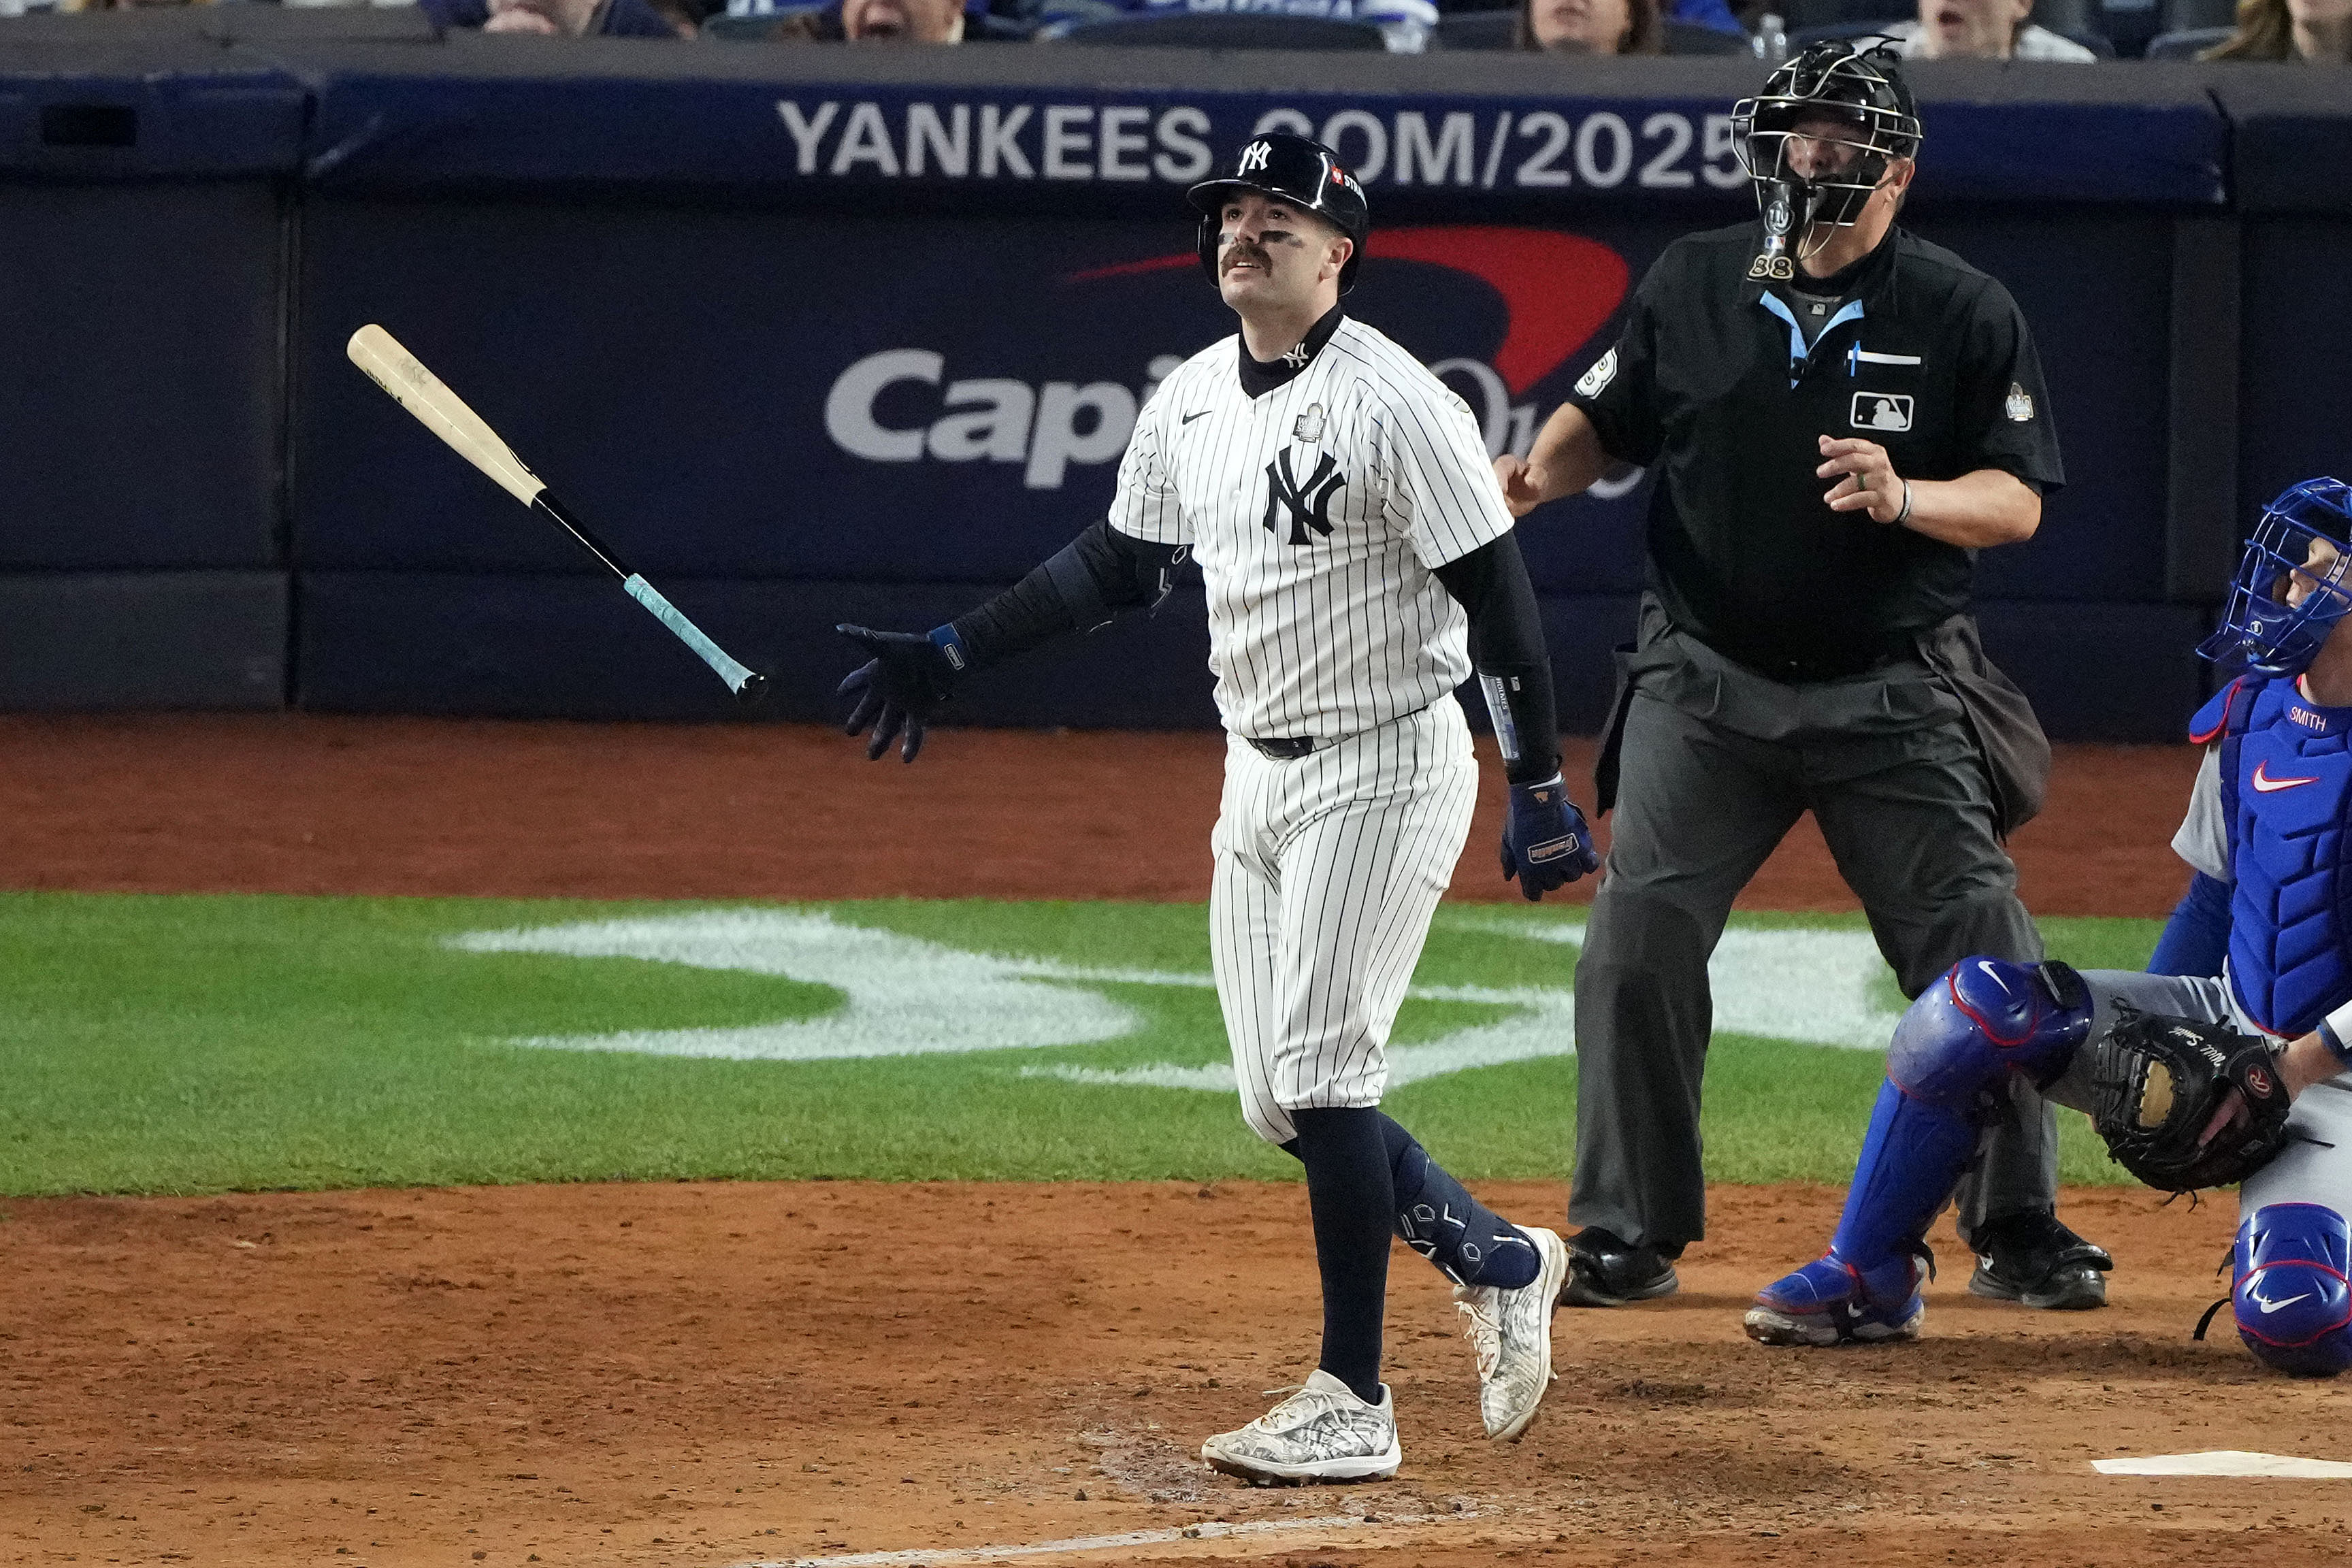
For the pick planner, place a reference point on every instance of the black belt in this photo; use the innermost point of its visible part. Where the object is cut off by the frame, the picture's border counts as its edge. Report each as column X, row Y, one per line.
column 1284, row 747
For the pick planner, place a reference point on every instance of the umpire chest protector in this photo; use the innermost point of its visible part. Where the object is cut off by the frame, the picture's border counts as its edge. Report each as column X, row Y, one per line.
column 2286, row 795
column 1726, row 384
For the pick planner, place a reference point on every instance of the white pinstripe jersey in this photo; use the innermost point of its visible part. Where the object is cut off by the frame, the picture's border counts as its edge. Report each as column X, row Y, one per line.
column 1318, row 512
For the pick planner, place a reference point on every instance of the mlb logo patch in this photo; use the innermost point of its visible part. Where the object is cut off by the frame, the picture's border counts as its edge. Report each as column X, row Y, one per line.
column 1882, row 411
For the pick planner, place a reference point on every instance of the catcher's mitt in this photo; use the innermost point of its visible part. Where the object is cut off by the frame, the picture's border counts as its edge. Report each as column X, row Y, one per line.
column 2185, row 1104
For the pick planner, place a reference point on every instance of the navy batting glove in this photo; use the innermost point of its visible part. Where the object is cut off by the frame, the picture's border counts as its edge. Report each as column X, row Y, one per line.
column 1546, row 843
column 898, row 690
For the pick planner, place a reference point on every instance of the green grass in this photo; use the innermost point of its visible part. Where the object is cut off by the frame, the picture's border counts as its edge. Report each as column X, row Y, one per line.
column 197, row 1044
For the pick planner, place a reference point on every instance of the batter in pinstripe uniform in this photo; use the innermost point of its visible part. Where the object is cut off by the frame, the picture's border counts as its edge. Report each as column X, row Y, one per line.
column 1360, row 564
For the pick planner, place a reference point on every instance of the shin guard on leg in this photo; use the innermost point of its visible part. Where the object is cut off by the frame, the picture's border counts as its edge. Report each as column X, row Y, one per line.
column 1437, row 1217
column 2292, row 1307
column 1985, row 1019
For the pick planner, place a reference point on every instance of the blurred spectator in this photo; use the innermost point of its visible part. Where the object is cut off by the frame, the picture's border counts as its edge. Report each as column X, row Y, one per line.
column 1408, row 22
column 1982, row 30
column 2318, row 31
column 557, row 19
column 1713, row 14
column 1589, row 26
column 902, row 21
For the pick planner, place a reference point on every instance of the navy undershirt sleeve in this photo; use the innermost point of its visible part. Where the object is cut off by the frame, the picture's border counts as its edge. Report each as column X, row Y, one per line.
column 1507, row 642
column 1083, row 586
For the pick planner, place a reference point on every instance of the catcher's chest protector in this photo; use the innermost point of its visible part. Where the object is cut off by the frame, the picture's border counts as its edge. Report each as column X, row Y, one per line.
column 2286, row 792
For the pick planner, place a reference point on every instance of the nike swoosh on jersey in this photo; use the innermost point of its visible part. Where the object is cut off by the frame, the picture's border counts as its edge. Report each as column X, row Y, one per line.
column 1190, row 417
column 2270, row 1307
column 2269, row 785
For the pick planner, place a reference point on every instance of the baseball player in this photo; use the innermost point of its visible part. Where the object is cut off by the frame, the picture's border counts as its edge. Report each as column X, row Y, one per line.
column 1360, row 564
column 2193, row 1081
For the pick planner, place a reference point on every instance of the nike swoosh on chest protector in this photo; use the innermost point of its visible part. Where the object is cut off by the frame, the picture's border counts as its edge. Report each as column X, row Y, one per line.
column 2269, row 785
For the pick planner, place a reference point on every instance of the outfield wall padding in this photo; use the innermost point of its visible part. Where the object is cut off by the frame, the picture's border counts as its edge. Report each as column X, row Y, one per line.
column 100, row 640
column 807, row 328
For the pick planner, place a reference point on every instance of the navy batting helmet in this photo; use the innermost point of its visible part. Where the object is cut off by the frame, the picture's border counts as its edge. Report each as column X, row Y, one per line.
column 1303, row 173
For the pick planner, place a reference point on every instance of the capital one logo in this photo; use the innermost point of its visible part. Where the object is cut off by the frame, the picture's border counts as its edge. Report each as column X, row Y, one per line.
column 902, row 406
column 1309, row 504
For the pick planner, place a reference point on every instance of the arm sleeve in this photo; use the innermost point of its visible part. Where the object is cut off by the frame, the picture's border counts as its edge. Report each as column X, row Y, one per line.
column 2203, row 840
column 1088, row 582
column 1619, row 391
column 2000, row 405
column 1507, row 645
column 1145, row 505
column 2196, row 939
column 1441, row 493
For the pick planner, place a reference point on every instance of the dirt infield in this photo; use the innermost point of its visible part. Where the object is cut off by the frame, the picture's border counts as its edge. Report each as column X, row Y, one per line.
column 712, row 1375
column 719, row 1375
column 298, row 803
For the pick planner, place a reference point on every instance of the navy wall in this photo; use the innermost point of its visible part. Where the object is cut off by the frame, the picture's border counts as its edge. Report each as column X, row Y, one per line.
column 822, row 335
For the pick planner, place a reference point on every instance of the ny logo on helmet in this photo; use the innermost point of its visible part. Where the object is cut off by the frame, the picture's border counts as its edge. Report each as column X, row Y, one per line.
column 1254, row 157
column 1309, row 504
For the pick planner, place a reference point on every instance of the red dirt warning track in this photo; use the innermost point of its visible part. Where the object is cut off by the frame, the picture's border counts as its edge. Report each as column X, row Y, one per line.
column 697, row 1373
column 299, row 804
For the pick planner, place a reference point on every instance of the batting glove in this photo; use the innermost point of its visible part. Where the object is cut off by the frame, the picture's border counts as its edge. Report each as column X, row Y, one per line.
column 898, row 690
column 1546, row 843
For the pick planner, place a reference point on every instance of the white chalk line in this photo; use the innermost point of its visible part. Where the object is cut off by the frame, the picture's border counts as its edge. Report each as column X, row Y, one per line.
column 1211, row 1529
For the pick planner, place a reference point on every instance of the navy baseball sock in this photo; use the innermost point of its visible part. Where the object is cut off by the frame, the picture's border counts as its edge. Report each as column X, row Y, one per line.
column 1348, row 1192
column 1436, row 1216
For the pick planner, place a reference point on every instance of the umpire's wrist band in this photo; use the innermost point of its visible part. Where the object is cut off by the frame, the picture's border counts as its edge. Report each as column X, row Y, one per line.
column 1905, row 515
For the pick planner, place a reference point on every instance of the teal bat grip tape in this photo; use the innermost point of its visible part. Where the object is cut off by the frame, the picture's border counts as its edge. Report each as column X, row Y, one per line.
column 733, row 673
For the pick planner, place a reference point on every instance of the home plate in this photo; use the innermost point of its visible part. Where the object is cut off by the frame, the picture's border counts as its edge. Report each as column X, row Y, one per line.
column 2227, row 1462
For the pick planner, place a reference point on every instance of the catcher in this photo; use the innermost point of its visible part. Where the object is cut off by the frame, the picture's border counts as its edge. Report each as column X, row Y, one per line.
column 2189, row 1080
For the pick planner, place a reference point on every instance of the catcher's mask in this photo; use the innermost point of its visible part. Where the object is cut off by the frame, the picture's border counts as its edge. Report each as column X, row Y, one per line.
column 1857, row 85
column 2294, row 584
column 1305, row 174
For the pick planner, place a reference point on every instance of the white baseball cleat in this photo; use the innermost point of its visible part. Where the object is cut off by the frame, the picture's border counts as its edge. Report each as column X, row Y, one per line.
column 1321, row 1433
column 1510, row 1332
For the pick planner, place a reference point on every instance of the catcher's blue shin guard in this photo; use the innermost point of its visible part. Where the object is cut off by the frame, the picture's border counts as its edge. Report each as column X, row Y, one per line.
column 1983, row 1019
column 2292, row 1307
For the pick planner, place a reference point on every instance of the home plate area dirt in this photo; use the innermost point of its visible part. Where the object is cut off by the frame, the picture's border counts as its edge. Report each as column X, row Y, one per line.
column 712, row 1373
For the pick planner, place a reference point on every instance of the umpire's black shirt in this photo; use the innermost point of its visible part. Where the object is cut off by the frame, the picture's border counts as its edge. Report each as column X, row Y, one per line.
column 1712, row 382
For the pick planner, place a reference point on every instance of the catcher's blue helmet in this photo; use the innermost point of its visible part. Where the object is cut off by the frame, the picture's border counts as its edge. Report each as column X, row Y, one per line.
column 2294, row 584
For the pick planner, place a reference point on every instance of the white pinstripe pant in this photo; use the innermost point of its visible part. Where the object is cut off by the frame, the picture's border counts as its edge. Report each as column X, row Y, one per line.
column 1327, row 869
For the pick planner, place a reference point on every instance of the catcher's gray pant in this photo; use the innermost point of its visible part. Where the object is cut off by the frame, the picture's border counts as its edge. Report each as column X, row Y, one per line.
column 1327, row 869
column 2315, row 1169
column 1891, row 772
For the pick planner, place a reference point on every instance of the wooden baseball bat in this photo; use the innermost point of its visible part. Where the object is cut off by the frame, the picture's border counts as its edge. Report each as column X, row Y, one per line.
column 443, row 412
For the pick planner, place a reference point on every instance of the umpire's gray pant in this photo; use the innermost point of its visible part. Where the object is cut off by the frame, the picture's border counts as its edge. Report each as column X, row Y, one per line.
column 1715, row 765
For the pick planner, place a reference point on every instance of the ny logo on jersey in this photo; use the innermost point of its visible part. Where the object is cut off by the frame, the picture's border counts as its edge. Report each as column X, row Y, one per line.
column 1310, row 504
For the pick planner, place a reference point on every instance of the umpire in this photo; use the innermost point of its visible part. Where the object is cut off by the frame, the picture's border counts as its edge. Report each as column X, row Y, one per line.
column 1840, row 415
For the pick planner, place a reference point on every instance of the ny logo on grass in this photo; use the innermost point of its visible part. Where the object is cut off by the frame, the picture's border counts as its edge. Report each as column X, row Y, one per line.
column 1310, row 504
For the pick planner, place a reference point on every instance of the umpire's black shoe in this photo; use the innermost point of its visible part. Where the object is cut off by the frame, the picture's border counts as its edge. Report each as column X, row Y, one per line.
column 2033, row 1259
column 1605, row 1272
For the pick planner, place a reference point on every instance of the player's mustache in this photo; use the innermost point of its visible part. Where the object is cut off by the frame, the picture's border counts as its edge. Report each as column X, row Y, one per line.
column 1245, row 250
